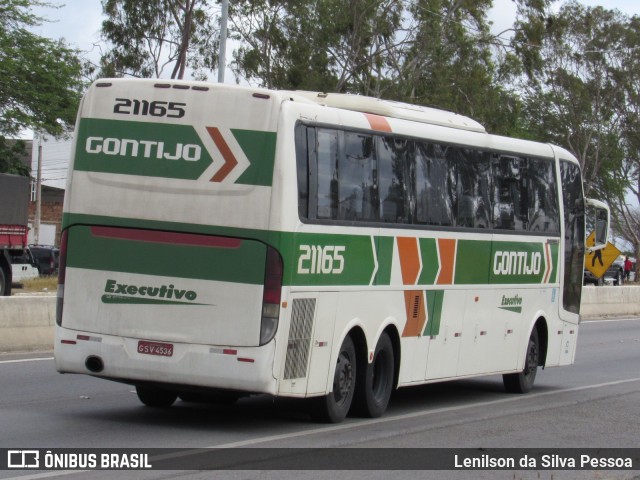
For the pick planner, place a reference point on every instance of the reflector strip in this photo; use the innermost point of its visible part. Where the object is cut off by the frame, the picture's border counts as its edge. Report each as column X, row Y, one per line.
column 223, row 351
column 246, row 360
column 68, row 342
column 171, row 238
column 89, row 338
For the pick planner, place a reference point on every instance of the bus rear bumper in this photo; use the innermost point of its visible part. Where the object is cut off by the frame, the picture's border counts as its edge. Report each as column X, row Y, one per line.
column 132, row 360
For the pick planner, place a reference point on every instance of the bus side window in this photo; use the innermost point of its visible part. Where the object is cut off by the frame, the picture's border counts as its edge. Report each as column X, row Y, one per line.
column 434, row 195
column 303, row 154
column 393, row 174
column 510, row 195
column 357, row 178
column 327, row 167
column 543, row 196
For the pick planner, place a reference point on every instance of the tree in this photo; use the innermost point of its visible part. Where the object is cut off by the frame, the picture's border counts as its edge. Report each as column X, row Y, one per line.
column 10, row 153
column 449, row 63
column 575, row 87
column 147, row 36
column 40, row 79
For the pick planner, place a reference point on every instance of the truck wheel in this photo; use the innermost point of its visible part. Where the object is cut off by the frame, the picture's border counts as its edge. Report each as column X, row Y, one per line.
column 156, row 397
column 522, row 382
column 374, row 387
column 333, row 408
column 3, row 283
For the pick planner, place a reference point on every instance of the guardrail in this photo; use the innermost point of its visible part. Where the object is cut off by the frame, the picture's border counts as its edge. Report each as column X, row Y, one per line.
column 27, row 322
column 610, row 302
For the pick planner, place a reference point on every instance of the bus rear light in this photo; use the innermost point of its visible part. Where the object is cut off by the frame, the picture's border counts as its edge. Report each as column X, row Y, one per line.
column 271, row 296
column 62, row 271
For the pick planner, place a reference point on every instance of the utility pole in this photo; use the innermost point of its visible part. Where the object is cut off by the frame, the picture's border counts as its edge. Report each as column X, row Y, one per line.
column 38, row 193
column 222, row 61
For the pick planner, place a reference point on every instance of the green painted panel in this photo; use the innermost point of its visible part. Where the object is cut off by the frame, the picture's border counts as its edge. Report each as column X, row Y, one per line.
column 385, row 260
column 332, row 259
column 242, row 262
column 435, row 299
column 473, row 262
column 260, row 149
column 517, row 263
column 140, row 148
column 430, row 261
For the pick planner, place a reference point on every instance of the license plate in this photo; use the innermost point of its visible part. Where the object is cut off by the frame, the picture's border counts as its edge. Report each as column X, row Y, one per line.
column 155, row 348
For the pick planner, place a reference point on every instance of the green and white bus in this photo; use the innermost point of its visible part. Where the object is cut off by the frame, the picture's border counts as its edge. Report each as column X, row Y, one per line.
column 220, row 241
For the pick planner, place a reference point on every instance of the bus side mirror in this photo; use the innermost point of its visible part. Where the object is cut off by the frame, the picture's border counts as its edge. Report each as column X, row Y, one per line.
column 600, row 218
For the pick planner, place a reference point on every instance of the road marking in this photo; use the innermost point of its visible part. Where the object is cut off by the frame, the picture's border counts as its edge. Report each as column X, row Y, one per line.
column 344, row 426
column 409, row 416
column 40, row 359
column 609, row 320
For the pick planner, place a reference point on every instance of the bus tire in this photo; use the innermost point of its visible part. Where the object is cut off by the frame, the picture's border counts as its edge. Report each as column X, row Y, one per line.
column 522, row 382
column 333, row 408
column 374, row 387
column 156, row 397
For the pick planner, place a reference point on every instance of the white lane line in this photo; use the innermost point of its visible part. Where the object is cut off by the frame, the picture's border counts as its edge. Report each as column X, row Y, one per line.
column 40, row 359
column 630, row 319
column 423, row 413
column 345, row 426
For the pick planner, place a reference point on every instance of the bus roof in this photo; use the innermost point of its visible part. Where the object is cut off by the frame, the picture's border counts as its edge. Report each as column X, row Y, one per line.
column 393, row 109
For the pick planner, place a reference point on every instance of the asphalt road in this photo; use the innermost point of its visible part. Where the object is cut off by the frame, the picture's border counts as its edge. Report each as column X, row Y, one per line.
column 591, row 404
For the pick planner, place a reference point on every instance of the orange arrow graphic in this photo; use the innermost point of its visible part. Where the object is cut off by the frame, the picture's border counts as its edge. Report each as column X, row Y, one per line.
column 230, row 160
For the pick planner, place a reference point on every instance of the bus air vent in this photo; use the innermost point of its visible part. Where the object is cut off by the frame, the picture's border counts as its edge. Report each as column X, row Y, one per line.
column 302, row 313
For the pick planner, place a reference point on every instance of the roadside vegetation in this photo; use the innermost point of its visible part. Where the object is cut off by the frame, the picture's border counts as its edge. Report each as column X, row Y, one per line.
column 36, row 285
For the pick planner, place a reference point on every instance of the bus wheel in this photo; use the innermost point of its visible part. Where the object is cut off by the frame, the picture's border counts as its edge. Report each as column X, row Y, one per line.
column 373, row 389
column 156, row 397
column 522, row 382
column 333, row 408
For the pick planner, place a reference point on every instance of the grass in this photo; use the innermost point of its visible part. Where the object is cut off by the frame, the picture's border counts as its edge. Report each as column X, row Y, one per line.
column 37, row 285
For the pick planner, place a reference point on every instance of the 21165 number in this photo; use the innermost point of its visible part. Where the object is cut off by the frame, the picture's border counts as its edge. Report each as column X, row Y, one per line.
column 318, row 259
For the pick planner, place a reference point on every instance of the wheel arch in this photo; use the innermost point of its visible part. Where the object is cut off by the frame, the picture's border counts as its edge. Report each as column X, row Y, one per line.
column 393, row 334
column 362, row 348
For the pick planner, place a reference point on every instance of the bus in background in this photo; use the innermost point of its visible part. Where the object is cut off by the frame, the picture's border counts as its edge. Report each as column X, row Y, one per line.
column 221, row 241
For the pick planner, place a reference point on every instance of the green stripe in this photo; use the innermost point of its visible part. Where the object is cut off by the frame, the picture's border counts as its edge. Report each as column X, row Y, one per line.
column 430, row 262
column 473, row 262
column 147, row 149
column 385, row 259
column 474, row 266
column 122, row 299
column 133, row 148
column 512, row 309
column 260, row 149
column 241, row 265
column 435, row 298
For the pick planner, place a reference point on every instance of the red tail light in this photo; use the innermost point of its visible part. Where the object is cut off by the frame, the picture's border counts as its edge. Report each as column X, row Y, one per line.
column 62, row 270
column 271, row 296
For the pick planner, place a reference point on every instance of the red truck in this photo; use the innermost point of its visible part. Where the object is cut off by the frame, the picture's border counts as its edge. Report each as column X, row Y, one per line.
column 14, row 204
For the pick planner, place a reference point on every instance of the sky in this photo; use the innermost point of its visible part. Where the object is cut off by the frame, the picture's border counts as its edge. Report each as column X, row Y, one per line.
column 78, row 23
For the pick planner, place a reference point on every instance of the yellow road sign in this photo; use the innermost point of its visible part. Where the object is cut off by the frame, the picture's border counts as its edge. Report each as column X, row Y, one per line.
column 597, row 262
